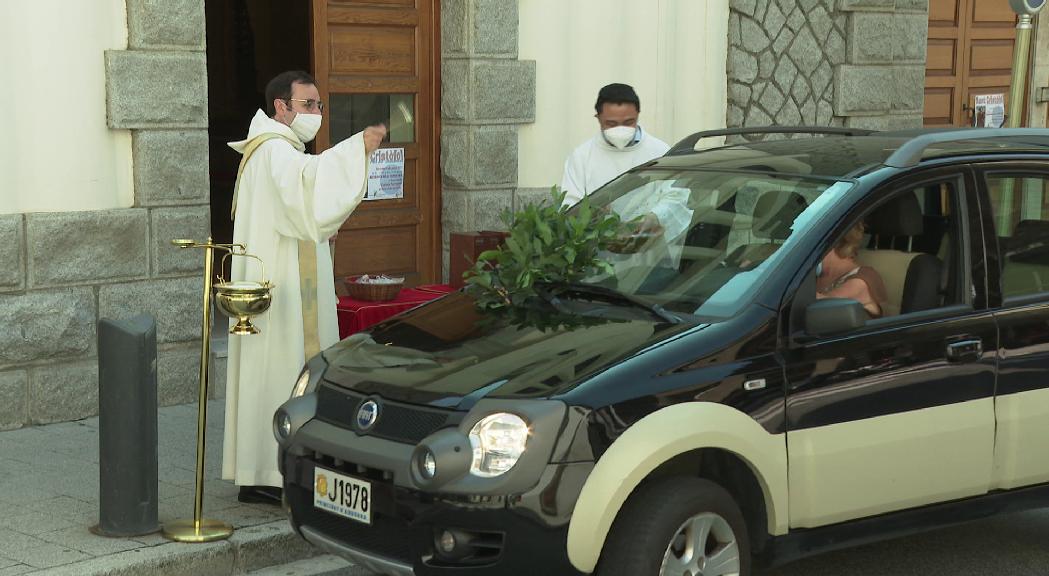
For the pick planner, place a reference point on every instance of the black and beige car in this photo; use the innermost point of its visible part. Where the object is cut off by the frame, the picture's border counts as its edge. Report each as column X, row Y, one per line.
column 709, row 413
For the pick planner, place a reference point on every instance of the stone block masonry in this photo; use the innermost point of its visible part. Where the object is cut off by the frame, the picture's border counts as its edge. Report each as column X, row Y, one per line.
column 827, row 63
column 12, row 248
column 136, row 81
column 61, row 272
column 486, row 93
column 171, row 167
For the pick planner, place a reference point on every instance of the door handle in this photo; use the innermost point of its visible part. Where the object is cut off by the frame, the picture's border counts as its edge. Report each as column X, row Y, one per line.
column 965, row 351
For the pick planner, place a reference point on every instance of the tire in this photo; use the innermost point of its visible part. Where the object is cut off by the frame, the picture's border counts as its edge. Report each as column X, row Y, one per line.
column 651, row 535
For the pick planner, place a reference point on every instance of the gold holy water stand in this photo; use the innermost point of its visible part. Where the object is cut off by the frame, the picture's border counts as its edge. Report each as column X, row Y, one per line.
column 241, row 300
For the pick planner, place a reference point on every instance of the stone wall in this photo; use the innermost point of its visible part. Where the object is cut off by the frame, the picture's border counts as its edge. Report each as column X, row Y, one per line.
column 69, row 269
column 856, row 63
column 486, row 93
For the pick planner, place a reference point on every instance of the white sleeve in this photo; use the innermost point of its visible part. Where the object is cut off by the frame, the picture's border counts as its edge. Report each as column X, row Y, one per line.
column 667, row 203
column 671, row 207
column 574, row 180
column 317, row 193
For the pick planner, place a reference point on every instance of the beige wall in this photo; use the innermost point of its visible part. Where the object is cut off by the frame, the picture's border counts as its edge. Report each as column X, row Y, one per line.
column 57, row 155
column 672, row 51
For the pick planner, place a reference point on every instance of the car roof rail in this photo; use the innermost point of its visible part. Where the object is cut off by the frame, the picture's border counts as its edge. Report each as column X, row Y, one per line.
column 910, row 153
column 688, row 144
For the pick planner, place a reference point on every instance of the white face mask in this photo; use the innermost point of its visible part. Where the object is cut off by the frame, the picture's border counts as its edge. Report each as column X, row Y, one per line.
column 620, row 136
column 305, row 126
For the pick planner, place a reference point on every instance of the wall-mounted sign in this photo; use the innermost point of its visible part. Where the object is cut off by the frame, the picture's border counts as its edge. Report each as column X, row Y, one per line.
column 990, row 111
column 386, row 174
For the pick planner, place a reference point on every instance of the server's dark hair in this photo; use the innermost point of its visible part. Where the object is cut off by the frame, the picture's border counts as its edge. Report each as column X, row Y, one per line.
column 280, row 87
column 617, row 94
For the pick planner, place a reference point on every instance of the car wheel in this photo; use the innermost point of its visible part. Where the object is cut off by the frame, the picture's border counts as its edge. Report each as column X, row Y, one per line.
column 677, row 527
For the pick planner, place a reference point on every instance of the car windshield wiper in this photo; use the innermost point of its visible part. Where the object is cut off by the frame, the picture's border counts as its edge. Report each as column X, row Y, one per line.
column 612, row 295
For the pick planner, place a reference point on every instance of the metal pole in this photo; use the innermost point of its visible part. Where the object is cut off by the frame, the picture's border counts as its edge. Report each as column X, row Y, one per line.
column 202, row 407
column 1017, row 90
column 1021, row 52
column 199, row 529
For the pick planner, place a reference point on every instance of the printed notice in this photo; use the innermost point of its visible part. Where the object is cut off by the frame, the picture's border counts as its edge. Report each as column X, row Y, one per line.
column 386, row 174
column 990, row 111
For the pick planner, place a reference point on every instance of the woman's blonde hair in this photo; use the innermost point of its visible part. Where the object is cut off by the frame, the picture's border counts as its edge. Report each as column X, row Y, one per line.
column 849, row 245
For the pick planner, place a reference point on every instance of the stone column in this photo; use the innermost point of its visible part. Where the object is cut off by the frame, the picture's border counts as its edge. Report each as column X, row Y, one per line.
column 827, row 63
column 486, row 93
column 158, row 89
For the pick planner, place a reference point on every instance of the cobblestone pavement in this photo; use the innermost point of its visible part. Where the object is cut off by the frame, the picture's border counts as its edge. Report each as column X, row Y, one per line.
column 49, row 482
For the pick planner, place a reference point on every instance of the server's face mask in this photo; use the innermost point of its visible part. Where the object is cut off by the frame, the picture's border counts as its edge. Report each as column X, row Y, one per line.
column 620, row 136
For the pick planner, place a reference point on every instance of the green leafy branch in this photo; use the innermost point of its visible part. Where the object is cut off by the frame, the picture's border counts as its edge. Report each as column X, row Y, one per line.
column 547, row 247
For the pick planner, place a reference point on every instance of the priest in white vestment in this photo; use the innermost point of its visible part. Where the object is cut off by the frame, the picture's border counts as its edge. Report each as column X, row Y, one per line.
column 286, row 206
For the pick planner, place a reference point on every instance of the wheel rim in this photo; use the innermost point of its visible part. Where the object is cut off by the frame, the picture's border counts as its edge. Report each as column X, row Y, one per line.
column 704, row 545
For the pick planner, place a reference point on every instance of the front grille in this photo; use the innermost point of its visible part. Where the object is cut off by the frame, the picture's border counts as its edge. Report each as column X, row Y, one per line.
column 396, row 422
column 386, row 536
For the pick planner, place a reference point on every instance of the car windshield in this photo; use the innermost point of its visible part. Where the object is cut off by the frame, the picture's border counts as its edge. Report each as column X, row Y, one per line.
column 699, row 242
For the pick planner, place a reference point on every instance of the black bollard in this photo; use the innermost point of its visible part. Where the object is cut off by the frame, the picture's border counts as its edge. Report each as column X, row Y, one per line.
column 127, row 427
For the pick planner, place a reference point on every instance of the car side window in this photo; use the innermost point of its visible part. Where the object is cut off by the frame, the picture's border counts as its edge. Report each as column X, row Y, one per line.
column 1020, row 205
column 903, row 257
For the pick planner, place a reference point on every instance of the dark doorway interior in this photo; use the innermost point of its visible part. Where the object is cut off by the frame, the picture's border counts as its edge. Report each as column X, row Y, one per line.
column 249, row 42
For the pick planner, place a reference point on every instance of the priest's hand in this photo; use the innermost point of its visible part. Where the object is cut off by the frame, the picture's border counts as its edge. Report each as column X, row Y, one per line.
column 373, row 137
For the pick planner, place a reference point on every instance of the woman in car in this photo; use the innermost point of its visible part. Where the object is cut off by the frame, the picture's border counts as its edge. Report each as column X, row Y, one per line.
column 840, row 276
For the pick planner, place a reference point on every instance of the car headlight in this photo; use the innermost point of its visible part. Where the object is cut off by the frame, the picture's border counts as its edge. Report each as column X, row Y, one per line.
column 302, row 383
column 498, row 441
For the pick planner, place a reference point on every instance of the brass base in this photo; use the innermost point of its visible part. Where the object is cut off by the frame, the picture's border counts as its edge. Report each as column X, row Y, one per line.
column 243, row 328
column 185, row 531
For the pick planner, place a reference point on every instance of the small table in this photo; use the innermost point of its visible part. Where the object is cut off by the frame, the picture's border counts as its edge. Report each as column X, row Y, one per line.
column 357, row 315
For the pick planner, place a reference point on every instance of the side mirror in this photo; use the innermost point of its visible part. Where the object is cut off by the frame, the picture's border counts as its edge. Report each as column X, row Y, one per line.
column 834, row 316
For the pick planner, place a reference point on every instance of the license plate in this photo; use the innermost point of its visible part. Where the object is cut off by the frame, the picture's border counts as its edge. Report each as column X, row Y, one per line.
column 342, row 495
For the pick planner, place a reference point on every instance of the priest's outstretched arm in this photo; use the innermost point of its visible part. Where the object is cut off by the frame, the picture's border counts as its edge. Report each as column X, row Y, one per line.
column 319, row 192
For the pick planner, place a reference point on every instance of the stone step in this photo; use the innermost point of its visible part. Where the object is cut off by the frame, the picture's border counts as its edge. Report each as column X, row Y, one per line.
column 248, row 551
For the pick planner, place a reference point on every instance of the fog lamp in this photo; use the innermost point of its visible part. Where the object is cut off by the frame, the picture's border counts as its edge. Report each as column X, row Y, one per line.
column 446, row 542
column 428, row 465
column 283, row 425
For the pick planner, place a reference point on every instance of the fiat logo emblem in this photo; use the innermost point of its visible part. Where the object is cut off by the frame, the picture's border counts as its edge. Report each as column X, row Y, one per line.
column 367, row 414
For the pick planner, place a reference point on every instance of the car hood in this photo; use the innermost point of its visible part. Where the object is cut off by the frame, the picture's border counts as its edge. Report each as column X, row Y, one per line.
column 448, row 353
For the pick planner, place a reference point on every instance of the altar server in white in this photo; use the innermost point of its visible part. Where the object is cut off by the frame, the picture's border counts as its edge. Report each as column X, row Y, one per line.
column 620, row 145
column 286, row 205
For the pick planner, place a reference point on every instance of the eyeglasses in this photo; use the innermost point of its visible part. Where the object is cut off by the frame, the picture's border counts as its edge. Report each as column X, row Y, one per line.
column 310, row 104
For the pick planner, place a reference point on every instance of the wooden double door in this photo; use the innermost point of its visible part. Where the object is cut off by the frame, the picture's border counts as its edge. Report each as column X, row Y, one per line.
column 374, row 61
column 970, row 54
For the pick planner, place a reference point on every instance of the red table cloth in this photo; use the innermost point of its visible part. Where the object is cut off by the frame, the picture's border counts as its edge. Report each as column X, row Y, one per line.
column 356, row 315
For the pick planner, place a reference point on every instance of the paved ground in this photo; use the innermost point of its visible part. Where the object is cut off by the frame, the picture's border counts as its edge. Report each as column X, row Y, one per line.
column 319, row 566
column 49, row 478
column 1014, row 545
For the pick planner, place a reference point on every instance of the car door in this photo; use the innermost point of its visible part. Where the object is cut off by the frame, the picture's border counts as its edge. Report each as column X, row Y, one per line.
column 900, row 412
column 1016, row 207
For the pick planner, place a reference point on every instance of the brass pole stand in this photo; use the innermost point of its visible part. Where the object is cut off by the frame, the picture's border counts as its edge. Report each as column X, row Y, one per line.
column 199, row 529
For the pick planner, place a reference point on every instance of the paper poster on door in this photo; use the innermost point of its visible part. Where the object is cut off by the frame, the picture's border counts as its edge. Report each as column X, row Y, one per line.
column 386, row 174
column 990, row 111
